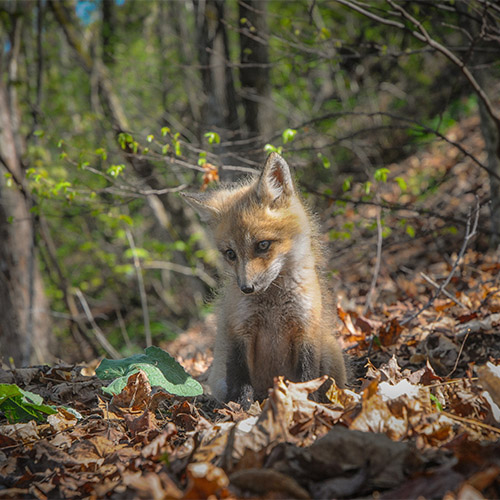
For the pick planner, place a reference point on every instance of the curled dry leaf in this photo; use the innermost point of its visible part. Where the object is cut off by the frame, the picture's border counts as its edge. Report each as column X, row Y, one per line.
column 62, row 420
column 136, row 395
column 343, row 398
column 161, row 443
column 145, row 423
column 489, row 378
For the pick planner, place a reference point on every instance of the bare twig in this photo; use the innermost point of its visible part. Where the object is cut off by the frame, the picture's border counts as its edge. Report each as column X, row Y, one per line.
column 470, row 421
column 389, row 206
column 99, row 335
column 445, row 292
column 142, row 289
column 123, row 329
column 430, row 130
column 77, row 327
column 470, row 232
column 458, row 356
column 376, row 271
column 187, row 271
column 424, row 36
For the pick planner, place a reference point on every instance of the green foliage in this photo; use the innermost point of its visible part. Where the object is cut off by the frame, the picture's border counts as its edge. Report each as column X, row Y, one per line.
column 381, row 174
column 269, row 148
column 213, row 137
column 161, row 369
column 401, row 183
column 115, row 170
column 288, row 135
column 324, row 160
column 19, row 405
column 436, row 402
column 330, row 71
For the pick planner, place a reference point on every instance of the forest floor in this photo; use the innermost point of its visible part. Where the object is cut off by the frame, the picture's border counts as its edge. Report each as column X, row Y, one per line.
column 420, row 420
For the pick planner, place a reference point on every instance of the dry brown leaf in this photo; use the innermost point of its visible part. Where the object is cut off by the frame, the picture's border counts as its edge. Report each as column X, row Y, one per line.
column 62, row 420
column 136, row 395
column 489, row 378
column 269, row 482
column 151, row 486
column 21, row 432
column 160, row 443
column 144, row 423
column 205, row 480
column 347, row 463
column 390, row 332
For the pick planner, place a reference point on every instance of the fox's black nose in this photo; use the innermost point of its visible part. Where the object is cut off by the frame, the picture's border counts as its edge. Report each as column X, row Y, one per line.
column 247, row 288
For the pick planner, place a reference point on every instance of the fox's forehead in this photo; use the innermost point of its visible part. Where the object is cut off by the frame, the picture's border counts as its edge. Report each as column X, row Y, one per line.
column 245, row 224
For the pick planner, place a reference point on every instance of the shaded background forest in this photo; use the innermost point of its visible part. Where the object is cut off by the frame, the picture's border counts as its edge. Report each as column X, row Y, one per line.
column 109, row 109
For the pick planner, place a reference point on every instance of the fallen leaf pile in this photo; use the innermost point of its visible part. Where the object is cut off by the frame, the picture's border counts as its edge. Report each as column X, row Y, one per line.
column 421, row 418
column 403, row 434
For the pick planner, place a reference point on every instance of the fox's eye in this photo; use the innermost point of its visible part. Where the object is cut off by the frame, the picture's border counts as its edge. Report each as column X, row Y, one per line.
column 230, row 254
column 263, row 245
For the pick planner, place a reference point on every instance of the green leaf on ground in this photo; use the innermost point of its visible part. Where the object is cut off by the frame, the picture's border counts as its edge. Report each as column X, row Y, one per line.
column 161, row 368
column 22, row 406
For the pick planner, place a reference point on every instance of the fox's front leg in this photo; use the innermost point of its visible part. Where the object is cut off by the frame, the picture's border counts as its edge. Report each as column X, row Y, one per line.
column 307, row 363
column 307, row 367
column 239, row 387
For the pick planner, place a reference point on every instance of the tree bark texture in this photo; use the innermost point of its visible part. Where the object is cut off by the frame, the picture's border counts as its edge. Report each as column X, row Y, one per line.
column 25, row 330
column 254, row 70
column 219, row 105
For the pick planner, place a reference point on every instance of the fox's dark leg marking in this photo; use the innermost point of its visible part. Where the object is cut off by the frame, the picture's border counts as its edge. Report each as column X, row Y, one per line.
column 238, row 376
column 306, row 363
column 307, row 367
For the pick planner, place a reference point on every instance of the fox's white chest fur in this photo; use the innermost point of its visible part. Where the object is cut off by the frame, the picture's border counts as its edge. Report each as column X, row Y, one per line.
column 272, row 325
column 273, row 330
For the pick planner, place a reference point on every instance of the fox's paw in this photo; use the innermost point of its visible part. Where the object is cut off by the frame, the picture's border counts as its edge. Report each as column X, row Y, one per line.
column 243, row 395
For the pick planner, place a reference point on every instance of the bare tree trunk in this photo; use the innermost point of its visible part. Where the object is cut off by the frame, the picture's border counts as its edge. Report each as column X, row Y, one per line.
column 25, row 333
column 176, row 13
column 219, row 105
column 490, row 128
column 492, row 146
column 219, row 95
column 107, row 31
column 254, row 70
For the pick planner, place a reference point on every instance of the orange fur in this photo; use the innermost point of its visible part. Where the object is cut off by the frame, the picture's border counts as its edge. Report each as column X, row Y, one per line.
column 275, row 314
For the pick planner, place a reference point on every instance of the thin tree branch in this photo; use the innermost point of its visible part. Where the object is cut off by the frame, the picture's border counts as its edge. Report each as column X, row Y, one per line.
column 423, row 36
column 376, row 271
column 469, row 234
column 458, row 356
column 445, row 292
column 142, row 289
column 187, row 271
column 390, row 206
column 403, row 119
column 52, row 263
column 99, row 335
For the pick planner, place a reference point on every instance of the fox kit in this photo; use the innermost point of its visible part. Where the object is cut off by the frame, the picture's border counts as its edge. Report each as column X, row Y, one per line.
column 275, row 314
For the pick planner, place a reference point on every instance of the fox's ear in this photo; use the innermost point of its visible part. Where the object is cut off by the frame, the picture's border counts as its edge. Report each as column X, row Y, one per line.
column 203, row 204
column 276, row 180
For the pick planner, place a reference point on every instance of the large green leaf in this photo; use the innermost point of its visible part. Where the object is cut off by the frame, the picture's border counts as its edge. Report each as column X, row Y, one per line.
column 21, row 406
column 161, row 369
